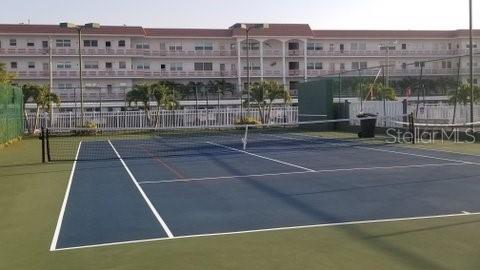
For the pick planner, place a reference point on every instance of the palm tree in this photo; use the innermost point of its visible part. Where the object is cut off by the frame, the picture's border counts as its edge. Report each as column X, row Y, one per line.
column 462, row 94
column 264, row 94
column 376, row 91
column 5, row 76
column 140, row 94
column 165, row 97
column 43, row 98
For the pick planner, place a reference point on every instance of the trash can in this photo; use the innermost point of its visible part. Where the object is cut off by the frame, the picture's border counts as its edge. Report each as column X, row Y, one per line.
column 368, row 122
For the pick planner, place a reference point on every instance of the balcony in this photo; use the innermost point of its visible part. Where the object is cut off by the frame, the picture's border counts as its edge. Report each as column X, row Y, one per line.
column 73, row 74
column 396, row 53
column 188, row 74
column 192, row 54
column 296, row 73
column 296, row 53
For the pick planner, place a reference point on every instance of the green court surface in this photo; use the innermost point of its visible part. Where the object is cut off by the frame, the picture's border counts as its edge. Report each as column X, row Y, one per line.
column 31, row 196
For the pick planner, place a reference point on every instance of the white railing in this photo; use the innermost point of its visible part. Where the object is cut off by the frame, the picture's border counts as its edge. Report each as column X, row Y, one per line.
column 162, row 118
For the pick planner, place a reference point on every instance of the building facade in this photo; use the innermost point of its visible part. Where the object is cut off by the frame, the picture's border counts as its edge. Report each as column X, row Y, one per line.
column 115, row 58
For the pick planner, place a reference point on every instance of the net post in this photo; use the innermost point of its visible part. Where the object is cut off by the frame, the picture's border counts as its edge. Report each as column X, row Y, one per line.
column 47, row 140
column 411, row 122
column 42, row 138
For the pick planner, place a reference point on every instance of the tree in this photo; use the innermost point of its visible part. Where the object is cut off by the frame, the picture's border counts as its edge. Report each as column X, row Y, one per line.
column 165, row 97
column 376, row 91
column 263, row 94
column 43, row 98
column 5, row 76
column 140, row 94
column 462, row 94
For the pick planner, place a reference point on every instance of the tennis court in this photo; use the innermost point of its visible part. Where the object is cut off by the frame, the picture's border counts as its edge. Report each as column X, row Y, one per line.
column 139, row 188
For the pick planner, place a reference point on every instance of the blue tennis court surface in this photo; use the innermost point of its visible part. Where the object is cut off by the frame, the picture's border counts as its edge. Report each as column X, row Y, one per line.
column 217, row 188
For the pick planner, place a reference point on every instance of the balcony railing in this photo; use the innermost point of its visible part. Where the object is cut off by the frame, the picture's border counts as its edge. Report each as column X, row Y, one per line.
column 189, row 74
column 222, row 53
column 383, row 53
column 117, row 52
column 125, row 74
column 396, row 72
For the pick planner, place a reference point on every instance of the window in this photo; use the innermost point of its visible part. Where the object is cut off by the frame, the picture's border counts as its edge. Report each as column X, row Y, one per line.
column 204, row 46
column 404, row 46
column 62, row 43
column 122, row 65
column 64, row 65
column 143, row 66
column 91, row 65
column 109, row 89
column 143, row 46
column 342, row 47
column 449, row 46
column 176, row 67
column 354, row 46
column 363, row 65
column 474, row 46
column 293, row 46
column 13, row 65
column 362, row 46
column 311, row 66
column 31, row 64
column 417, row 64
column 121, row 43
column 175, row 47
column 45, row 44
column 254, row 45
column 355, row 65
column 404, row 66
column 332, row 47
column 90, row 43
column 315, row 46
column 163, row 47
column 108, row 65
column 342, row 66
column 318, row 65
column 13, row 42
column 108, row 44
column 30, row 43
column 203, row 66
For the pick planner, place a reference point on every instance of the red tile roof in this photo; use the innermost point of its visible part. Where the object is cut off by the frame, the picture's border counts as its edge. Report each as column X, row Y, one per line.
column 276, row 30
column 389, row 33
column 56, row 29
column 184, row 32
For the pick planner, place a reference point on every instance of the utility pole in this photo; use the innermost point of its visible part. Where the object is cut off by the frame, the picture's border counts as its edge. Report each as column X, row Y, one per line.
column 472, row 97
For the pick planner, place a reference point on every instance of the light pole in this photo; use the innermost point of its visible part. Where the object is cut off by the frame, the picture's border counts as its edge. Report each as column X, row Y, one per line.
column 247, row 29
column 471, row 63
column 387, row 47
column 79, row 29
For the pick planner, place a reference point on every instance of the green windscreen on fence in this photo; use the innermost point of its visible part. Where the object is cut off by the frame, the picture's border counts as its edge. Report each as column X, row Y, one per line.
column 11, row 113
column 315, row 98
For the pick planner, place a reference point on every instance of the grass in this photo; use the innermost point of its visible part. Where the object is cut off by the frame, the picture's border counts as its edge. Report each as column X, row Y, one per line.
column 31, row 194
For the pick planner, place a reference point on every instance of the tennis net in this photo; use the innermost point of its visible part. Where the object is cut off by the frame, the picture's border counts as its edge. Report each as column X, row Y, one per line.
column 103, row 144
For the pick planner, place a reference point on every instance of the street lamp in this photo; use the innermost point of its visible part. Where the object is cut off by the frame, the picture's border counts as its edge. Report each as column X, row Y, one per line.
column 387, row 47
column 248, row 28
column 79, row 29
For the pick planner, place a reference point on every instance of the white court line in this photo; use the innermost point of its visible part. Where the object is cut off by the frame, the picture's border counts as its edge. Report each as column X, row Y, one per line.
column 392, row 151
column 275, row 229
column 238, row 177
column 263, row 157
column 147, row 200
column 53, row 245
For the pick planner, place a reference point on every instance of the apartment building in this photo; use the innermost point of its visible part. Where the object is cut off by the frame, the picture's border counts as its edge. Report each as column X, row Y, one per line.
column 114, row 58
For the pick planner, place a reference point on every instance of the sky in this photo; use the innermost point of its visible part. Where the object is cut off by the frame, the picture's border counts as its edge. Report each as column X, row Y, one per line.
column 320, row 14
